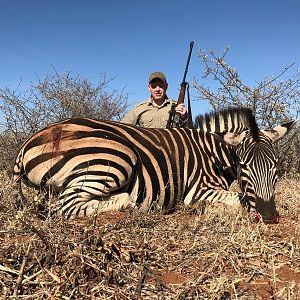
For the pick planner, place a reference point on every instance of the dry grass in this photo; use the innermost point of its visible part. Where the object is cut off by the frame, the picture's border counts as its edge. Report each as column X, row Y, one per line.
column 221, row 254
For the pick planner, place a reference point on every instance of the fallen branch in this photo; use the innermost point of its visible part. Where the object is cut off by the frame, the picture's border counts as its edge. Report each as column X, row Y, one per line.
column 21, row 272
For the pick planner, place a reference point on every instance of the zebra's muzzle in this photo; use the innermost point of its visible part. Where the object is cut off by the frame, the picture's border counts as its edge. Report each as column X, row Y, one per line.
column 276, row 219
column 267, row 211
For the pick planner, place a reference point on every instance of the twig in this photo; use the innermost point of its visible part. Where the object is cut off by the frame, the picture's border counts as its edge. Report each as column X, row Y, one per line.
column 139, row 286
column 21, row 272
column 29, row 279
column 37, row 232
column 8, row 270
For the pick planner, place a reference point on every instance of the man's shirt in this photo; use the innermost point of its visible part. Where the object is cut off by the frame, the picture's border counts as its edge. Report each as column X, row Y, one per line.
column 149, row 115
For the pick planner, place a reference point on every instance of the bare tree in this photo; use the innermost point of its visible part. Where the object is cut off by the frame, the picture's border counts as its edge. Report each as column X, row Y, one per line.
column 51, row 99
column 274, row 100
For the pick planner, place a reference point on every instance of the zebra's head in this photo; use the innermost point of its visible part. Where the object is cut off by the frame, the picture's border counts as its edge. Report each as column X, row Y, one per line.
column 256, row 168
column 255, row 155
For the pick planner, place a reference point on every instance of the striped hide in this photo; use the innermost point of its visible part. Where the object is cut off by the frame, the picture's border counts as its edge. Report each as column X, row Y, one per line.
column 95, row 166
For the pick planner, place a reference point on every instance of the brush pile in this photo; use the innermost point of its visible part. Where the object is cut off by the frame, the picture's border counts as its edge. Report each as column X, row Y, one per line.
column 221, row 254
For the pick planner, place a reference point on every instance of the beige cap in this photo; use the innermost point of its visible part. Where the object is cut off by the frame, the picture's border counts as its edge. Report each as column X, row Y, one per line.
column 158, row 75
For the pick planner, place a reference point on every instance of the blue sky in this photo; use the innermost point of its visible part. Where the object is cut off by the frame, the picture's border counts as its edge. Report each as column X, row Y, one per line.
column 130, row 39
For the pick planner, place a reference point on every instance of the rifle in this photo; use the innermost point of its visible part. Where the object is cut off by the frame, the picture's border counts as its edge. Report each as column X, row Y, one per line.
column 174, row 118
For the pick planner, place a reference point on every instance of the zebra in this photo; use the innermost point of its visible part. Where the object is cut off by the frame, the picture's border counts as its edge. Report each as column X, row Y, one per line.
column 96, row 166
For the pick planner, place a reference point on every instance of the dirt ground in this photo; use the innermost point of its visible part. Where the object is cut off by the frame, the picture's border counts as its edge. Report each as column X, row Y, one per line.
column 221, row 254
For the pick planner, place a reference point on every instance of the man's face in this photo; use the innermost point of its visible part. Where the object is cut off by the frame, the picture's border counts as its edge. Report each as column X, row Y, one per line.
column 157, row 89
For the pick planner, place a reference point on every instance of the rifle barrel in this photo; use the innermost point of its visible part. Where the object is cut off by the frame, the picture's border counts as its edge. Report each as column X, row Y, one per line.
column 188, row 61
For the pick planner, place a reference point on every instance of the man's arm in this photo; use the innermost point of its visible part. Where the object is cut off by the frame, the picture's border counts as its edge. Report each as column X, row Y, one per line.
column 130, row 118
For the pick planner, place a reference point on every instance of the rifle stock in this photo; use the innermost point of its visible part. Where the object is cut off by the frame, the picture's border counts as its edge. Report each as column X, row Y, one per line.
column 182, row 92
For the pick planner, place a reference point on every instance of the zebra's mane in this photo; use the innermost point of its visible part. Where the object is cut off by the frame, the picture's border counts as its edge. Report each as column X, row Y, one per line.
column 232, row 119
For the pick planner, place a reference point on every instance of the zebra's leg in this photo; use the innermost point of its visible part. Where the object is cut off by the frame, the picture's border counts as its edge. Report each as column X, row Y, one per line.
column 213, row 196
column 81, row 203
column 97, row 189
column 84, row 205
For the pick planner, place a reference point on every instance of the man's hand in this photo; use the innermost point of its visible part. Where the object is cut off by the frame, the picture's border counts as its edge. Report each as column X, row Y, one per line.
column 181, row 109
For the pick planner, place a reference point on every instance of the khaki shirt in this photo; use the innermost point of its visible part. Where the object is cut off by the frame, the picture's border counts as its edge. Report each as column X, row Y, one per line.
column 148, row 114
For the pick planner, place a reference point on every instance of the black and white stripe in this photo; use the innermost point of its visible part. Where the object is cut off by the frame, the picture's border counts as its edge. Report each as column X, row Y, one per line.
column 102, row 165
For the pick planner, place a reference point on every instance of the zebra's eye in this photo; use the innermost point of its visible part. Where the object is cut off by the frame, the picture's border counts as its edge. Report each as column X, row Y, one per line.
column 243, row 165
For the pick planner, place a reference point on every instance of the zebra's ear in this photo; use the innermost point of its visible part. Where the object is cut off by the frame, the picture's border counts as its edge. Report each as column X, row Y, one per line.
column 279, row 131
column 230, row 138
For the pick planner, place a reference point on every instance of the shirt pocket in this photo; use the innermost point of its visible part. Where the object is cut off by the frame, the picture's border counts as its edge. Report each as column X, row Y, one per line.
column 147, row 121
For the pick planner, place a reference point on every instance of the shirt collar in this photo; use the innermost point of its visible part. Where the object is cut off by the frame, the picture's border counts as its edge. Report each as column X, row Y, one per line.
column 150, row 103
